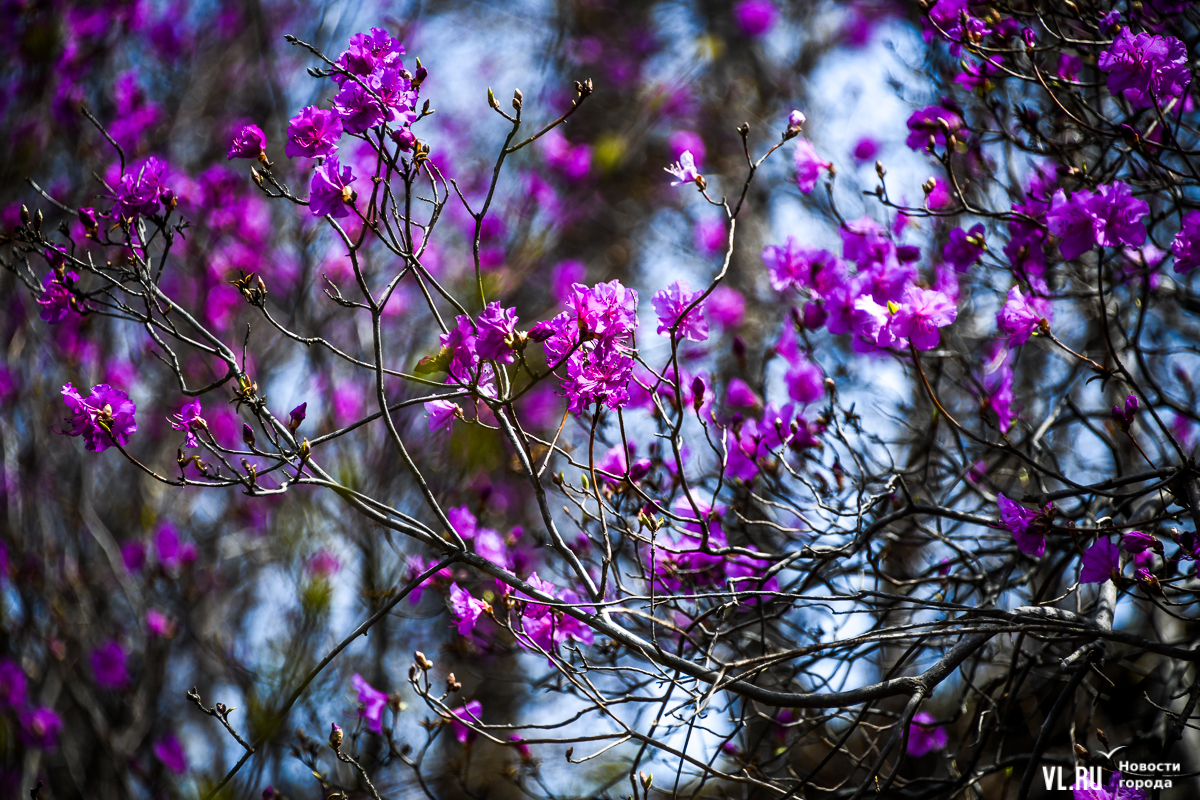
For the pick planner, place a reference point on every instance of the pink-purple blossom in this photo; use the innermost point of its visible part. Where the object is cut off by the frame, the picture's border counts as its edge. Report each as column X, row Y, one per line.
column 1186, row 246
column 40, row 727
column 330, row 191
column 358, row 107
column 468, row 713
column 928, row 122
column 466, row 608
column 189, row 421
column 964, row 248
column 313, row 133
column 1146, row 68
column 684, row 171
column 924, row 736
column 670, row 304
column 755, row 17
column 441, row 415
column 173, row 553
column 169, row 751
column 805, row 381
column 1028, row 526
column 1111, row 217
column 250, row 142
column 108, row 666
column 496, row 327
column 103, row 417
column 1018, row 318
column 921, row 315
column 371, row 703
column 1101, row 561
column 808, row 165
column 366, row 53
column 56, row 298
column 139, row 193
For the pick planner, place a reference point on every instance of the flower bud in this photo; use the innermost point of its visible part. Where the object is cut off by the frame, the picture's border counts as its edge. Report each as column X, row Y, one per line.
column 24, row 214
column 518, row 99
column 335, row 736
column 87, row 217
column 452, row 684
column 423, row 662
column 492, row 99
column 247, row 434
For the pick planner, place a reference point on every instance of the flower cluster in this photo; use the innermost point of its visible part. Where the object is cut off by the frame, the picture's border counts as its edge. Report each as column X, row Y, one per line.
column 1145, row 69
column 1110, row 217
column 102, row 418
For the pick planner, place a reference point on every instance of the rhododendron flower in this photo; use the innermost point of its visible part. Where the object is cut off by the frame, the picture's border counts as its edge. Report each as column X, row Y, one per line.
column 172, row 553
column 684, row 170
column 100, row 418
column 755, row 17
column 461, row 344
column 330, row 191
column 40, row 727
column 964, row 248
column 726, row 306
column 997, row 384
column 296, row 416
column 1072, row 221
column 1136, row 542
column 922, row 312
column 872, row 326
column 108, row 666
column 1085, row 788
column 740, row 395
column 1145, row 68
column 1123, row 417
column 441, row 414
column 925, row 737
column 466, row 609
column 323, row 564
column 368, row 51
column 805, row 381
column 808, row 166
column 57, row 299
column 250, row 142
column 357, row 107
column 1027, row 526
column 1018, row 319
column 169, row 751
column 467, row 713
column 134, row 555
column 158, row 625
column 496, row 327
column 928, row 122
column 1101, row 561
column 1185, row 247
column 371, row 703
column 1117, row 215
column 572, row 162
column 865, row 150
column 139, row 194
column 189, row 421
column 313, row 133
column 670, row 304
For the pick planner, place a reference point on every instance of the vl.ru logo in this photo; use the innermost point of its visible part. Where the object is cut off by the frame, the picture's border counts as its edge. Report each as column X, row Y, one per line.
column 1092, row 778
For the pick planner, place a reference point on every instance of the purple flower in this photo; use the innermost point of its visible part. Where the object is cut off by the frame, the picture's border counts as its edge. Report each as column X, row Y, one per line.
column 330, row 192
column 57, row 299
column 573, row 162
column 670, row 304
column 100, row 418
column 1185, row 248
column 169, row 751
column 922, row 312
column 468, row 713
column 368, row 51
column 1087, row 789
column 1146, row 67
column 865, row 150
column 461, row 344
column 1123, row 417
column 1101, row 561
column 40, row 727
column 466, row 609
column 250, row 142
column 710, row 236
column 964, row 248
column 1117, row 216
column 1136, row 542
column 189, row 421
column 1018, row 318
column 808, row 165
column 755, row 17
column 1072, row 221
column 108, row 666
column 323, row 564
column 12, row 684
column 726, row 306
column 397, row 94
column 997, row 384
column 791, row 265
column 442, row 414
column 684, row 170
column 739, row 395
column 158, row 625
column 313, row 133
column 805, row 382
column 606, row 311
column 297, row 416
column 134, row 555
column 357, row 108
column 1027, row 526
column 872, row 326
column 371, row 703
column 925, row 737
column 928, row 122
column 496, row 328
column 172, row 553
column 139, row 194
